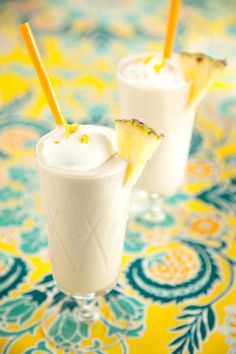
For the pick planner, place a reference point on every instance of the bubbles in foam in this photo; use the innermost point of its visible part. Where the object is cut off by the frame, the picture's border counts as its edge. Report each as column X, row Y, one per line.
column 87, row 148
column 143, row 70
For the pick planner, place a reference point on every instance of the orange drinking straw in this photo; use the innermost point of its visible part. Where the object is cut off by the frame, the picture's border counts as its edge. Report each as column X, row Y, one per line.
column 42, row 73
column 171, row 29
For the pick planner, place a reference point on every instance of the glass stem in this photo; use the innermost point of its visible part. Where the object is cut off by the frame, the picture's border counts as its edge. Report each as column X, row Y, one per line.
column 87, row 308
column 155, row 209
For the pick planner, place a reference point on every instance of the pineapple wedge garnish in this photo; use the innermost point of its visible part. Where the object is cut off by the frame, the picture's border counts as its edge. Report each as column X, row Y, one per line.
column 136, row 144
column 201, row 71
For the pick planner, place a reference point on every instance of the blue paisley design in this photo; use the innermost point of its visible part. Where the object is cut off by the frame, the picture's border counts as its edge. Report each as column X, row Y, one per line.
column 3, row 155
column 34, row 240
column 155, row 286
column 25, row 176
column 133, row 242
column 12, row 216
column 40, row 128
column 228, row 107
column 20, row 310
column 98, row 115
column 196, row 143
column 10, row 108
column 222, row 195
column 13, row 273
column 7, row 193
column 101, row 34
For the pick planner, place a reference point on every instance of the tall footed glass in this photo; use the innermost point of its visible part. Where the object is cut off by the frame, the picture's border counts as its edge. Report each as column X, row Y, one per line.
column 86, row 217
column 163, row 106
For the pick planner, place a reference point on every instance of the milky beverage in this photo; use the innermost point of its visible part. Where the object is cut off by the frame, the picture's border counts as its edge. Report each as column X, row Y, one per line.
column 85, row 205
column 159, row 99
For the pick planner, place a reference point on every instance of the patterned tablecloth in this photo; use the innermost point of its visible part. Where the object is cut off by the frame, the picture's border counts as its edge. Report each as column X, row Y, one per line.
column 178, row 277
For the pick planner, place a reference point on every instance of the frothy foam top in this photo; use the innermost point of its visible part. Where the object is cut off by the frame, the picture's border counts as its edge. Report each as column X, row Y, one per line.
column 143, row 70
column 82, row 150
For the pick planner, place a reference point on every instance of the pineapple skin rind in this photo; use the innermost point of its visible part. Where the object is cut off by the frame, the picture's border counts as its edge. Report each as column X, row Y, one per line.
column 138, row 124
column 200, row 56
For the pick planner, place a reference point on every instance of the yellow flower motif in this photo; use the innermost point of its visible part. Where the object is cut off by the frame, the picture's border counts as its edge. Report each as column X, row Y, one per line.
column 84, row 139
column 56, row 142
column 179, row 265
column 199, row 169
column 205, row 226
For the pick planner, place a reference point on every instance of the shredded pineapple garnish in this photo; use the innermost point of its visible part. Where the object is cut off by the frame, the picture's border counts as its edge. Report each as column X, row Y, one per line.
column 84, row 139
column 148, row 59
column 70, row 129
column 157, row 67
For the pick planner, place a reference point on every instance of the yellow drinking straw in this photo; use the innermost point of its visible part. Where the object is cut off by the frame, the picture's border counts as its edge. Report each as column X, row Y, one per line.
column 171, row 29
column 42, row 73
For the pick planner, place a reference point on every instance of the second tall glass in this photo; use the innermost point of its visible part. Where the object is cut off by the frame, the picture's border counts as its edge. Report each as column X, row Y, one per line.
column 164, row 108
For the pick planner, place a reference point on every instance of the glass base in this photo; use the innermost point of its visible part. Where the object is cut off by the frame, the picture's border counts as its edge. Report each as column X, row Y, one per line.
column 85, row 324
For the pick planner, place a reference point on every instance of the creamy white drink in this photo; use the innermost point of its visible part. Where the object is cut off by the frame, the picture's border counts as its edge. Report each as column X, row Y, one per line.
column 86, row 207
column 160, row 100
